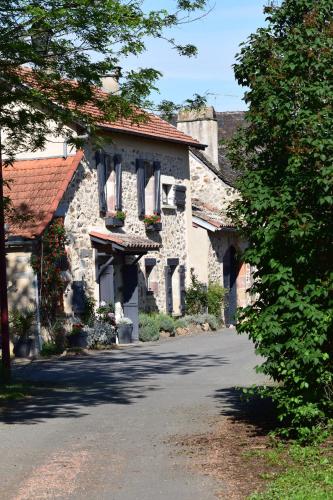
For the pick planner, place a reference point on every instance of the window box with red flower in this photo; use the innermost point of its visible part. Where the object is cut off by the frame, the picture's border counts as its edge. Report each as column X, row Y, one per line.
column 153, row 222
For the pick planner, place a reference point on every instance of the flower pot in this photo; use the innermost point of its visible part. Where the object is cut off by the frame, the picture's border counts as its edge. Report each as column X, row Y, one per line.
column 22, row 348
column 114, row 222
column 125, row 334
column 154, row 227
column 78, row 340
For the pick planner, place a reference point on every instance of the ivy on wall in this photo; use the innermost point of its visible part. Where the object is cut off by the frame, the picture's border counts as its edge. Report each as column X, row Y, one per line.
column 49, row 264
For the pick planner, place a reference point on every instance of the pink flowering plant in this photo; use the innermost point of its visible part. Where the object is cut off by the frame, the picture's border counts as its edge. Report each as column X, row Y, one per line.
column 105, row 313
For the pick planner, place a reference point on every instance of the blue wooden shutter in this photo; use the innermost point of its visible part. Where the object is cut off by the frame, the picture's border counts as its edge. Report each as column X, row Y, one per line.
column 157, row 186
column 180, row 196
column 140, row 173
column 168, row 289
column 101, row 177
column 106, row 283
column 78, row 297
column 118, row 170
column 182, row 273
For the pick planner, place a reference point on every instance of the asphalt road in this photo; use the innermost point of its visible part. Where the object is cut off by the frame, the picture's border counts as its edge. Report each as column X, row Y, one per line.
column 106, row 428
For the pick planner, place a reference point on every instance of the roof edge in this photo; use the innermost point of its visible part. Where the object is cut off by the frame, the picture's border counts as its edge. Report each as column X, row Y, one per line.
column 110, row 128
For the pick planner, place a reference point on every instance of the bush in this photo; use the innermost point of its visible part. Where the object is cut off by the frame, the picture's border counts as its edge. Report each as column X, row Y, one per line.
column 196, row 297
column 58, row 335
column 148, row 328
column 50, row 349
column 215, row 296
column 165, row 323
column 21, row 322
column 181, row 323
column 101, row 334
column 200, row 319
column 88, row 314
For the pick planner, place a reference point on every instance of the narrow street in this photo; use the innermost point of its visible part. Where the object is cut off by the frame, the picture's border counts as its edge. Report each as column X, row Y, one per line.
column 107, row 427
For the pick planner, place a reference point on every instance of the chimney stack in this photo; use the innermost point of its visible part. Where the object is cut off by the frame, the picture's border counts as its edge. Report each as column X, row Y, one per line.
column 110, row 82
column 201, row 125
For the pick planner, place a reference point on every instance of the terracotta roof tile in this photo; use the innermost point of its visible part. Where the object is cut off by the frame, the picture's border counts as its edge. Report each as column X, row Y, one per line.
column 36, row 188
column 154, row 127
column 127, row 241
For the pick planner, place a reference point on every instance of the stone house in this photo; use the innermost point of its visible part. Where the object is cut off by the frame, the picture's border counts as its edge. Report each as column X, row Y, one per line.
column 215, row 259
column 141, row 170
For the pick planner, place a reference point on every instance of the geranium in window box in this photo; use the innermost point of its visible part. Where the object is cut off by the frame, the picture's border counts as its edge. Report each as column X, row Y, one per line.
column 115, row 219
column 153, row 222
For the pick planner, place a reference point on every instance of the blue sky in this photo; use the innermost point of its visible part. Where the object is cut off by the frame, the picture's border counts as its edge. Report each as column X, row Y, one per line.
column 217, row 37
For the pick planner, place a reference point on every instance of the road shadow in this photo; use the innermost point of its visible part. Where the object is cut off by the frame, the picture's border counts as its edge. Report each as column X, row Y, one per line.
column 68, row 388
column 259, row 413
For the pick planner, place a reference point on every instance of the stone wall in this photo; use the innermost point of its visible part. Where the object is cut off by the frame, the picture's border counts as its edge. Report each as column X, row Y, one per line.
column 208, row 187
column 80, row 207
column 21, row 279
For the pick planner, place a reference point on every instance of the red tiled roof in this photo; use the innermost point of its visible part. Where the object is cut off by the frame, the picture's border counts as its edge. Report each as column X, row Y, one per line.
column 36, row 188
column 154, row 127
column 127, row 241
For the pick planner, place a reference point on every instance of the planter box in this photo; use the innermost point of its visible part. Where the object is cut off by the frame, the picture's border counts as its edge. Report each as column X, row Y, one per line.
column 78, row 340
column 124, row 333
column 22, row 348
column 154, row 227
column 114, row 222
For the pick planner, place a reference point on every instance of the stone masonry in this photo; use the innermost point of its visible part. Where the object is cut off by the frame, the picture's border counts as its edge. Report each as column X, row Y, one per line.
column 80, row 207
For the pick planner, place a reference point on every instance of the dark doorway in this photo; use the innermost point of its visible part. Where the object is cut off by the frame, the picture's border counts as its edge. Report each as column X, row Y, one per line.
column 106, row 279
column 230, row 272
column 131, row 297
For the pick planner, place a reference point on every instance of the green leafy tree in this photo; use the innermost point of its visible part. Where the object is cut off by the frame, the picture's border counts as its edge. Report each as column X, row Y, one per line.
column 80, row 40
column 285, row 155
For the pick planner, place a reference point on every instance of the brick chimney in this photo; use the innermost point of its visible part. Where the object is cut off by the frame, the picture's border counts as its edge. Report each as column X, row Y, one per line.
column 202, row 125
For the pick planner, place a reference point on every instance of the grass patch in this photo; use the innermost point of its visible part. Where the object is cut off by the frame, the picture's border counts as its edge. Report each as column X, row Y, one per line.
column 307, row 473
column 14, row 391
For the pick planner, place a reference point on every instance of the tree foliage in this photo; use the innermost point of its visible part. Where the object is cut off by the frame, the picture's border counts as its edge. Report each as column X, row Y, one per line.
column 79, row 40
column 285, row 155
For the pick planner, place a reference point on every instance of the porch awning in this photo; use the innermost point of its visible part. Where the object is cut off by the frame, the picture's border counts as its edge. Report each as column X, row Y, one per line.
column 124, row 242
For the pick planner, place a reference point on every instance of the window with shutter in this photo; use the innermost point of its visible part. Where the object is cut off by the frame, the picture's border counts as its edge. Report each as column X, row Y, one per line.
column 180, row 196
column 150, row 275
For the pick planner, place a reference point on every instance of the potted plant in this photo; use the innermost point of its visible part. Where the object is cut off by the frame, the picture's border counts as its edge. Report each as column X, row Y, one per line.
column 78, row 336
column 115, row 219
column 124, row 330
column 105, row 313
column 21, row 323
column 153, row 222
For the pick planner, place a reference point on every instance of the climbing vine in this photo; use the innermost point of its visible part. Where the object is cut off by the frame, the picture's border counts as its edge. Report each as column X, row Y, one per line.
column 49, row 264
